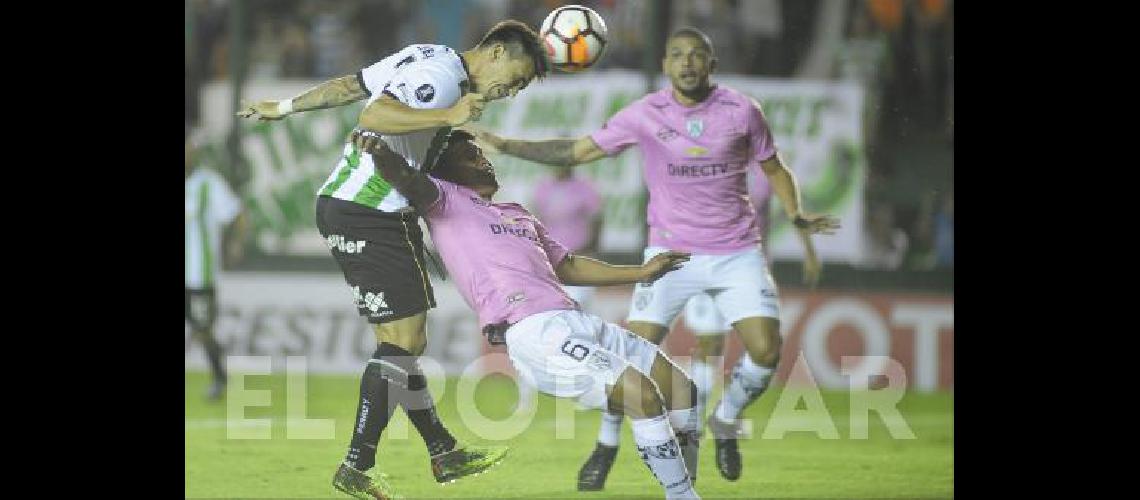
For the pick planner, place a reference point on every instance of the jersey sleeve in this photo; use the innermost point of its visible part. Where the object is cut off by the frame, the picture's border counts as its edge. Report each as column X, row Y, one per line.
column 763, row 146
column 424, row 85
column 441, row 206
column 555, row 251
column 619, row 132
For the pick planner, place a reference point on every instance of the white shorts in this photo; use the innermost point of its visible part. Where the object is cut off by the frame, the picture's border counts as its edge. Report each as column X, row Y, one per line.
column 740, row 286
column 572, row 354
column 702, row 317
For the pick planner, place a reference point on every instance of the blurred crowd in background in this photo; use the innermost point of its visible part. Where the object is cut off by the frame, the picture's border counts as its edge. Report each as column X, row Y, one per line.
column 900, row 50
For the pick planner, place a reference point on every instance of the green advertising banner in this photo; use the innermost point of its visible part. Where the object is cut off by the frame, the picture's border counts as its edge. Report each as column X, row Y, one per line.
column 816, row 125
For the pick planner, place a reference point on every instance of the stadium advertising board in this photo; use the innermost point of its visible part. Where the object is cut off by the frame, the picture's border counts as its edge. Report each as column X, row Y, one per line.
column 311, row 315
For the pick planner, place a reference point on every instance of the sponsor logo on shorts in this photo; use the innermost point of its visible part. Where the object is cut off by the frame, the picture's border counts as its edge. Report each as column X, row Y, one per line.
column 373, row 301
column 598, row 361
column 642, row 297
column 339, row 243
column 771, row 294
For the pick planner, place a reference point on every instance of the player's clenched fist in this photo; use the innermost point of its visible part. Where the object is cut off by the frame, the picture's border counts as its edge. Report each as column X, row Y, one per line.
column 469, row 108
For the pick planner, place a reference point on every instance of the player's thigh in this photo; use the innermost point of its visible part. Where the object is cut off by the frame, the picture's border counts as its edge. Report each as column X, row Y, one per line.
column 661, row 302
column 761, row 338
column 746, row 287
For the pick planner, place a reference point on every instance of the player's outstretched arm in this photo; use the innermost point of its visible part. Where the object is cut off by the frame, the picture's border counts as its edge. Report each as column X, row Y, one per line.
column 413, row 184
column 562, row 152
column 577, row 270
column 786, row 189
column 389, row 116
column 330, row 94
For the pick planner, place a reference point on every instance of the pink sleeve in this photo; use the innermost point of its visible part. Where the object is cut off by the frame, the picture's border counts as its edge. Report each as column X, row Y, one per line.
column 619, row 132
column 555, row 251
column 763, row 146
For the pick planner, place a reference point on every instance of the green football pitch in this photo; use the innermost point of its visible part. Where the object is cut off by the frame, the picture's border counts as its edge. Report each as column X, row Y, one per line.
column 801, row 447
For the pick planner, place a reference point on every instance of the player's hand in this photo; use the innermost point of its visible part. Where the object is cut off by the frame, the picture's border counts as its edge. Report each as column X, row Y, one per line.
column 469, row 108
column 263, row 110
column 488, row 142
column 661, row 264
column 816, row 224
column 368, row 141
column 812, row 270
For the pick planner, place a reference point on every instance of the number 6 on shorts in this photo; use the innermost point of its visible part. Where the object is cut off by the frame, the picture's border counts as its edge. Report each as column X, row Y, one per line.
column 578, row 351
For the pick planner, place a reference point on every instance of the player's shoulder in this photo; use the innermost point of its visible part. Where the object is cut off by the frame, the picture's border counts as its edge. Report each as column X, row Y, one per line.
column 431, row 56
column 659, row 99
column 733, row 98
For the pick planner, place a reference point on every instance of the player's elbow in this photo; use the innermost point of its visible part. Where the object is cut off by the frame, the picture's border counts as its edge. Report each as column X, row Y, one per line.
column 566, row 271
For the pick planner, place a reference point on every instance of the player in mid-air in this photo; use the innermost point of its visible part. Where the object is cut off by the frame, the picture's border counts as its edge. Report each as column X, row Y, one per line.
column 414, row 98
column 509, row 269
column 697, row 140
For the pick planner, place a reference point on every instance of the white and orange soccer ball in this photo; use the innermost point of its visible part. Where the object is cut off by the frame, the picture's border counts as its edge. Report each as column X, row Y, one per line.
column 575, row 37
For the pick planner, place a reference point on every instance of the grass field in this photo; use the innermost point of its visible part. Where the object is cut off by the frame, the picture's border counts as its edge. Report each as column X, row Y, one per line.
column 799, row 465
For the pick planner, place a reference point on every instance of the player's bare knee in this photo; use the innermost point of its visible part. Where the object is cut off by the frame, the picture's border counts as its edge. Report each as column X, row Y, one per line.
column 677, row 389
column 648, row 331
column 767, row 353
column 638, row 396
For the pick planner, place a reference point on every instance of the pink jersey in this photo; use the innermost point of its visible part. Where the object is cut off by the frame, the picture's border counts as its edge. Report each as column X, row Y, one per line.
column 568, row 209
column 695, row 161
column 501, row 258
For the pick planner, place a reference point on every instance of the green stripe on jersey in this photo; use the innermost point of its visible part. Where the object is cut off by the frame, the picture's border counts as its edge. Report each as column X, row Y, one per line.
column 351, row 162
column 373, row 192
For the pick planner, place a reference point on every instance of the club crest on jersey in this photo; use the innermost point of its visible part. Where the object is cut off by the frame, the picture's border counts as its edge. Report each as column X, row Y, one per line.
column 695, row 126
column 425, row 92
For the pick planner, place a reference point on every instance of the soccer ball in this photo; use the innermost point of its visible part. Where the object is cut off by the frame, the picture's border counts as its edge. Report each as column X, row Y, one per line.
column 575, row 37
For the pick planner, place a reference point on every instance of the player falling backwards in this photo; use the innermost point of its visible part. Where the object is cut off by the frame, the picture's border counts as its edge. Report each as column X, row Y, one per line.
column 510, row 271
column 697, row 140
column 414, row 98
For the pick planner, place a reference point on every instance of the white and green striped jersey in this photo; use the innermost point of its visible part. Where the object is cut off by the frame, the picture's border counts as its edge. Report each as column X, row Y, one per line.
column 420, row 76
column 210, row 207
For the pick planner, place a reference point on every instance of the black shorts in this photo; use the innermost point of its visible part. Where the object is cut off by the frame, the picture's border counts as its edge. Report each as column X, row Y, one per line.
column 201, row 308
column 381, row 255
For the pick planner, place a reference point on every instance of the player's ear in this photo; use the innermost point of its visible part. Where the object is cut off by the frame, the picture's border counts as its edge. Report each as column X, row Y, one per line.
column 498, row 50
column 713, row 64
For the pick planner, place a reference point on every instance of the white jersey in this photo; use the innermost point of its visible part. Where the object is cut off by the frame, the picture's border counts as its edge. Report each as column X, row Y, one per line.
column 422, row 77
column 210, row 206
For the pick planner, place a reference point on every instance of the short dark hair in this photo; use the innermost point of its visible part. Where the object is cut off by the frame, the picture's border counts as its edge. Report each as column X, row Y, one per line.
column 453, row 138
column 691, row 32
column 516, row 36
